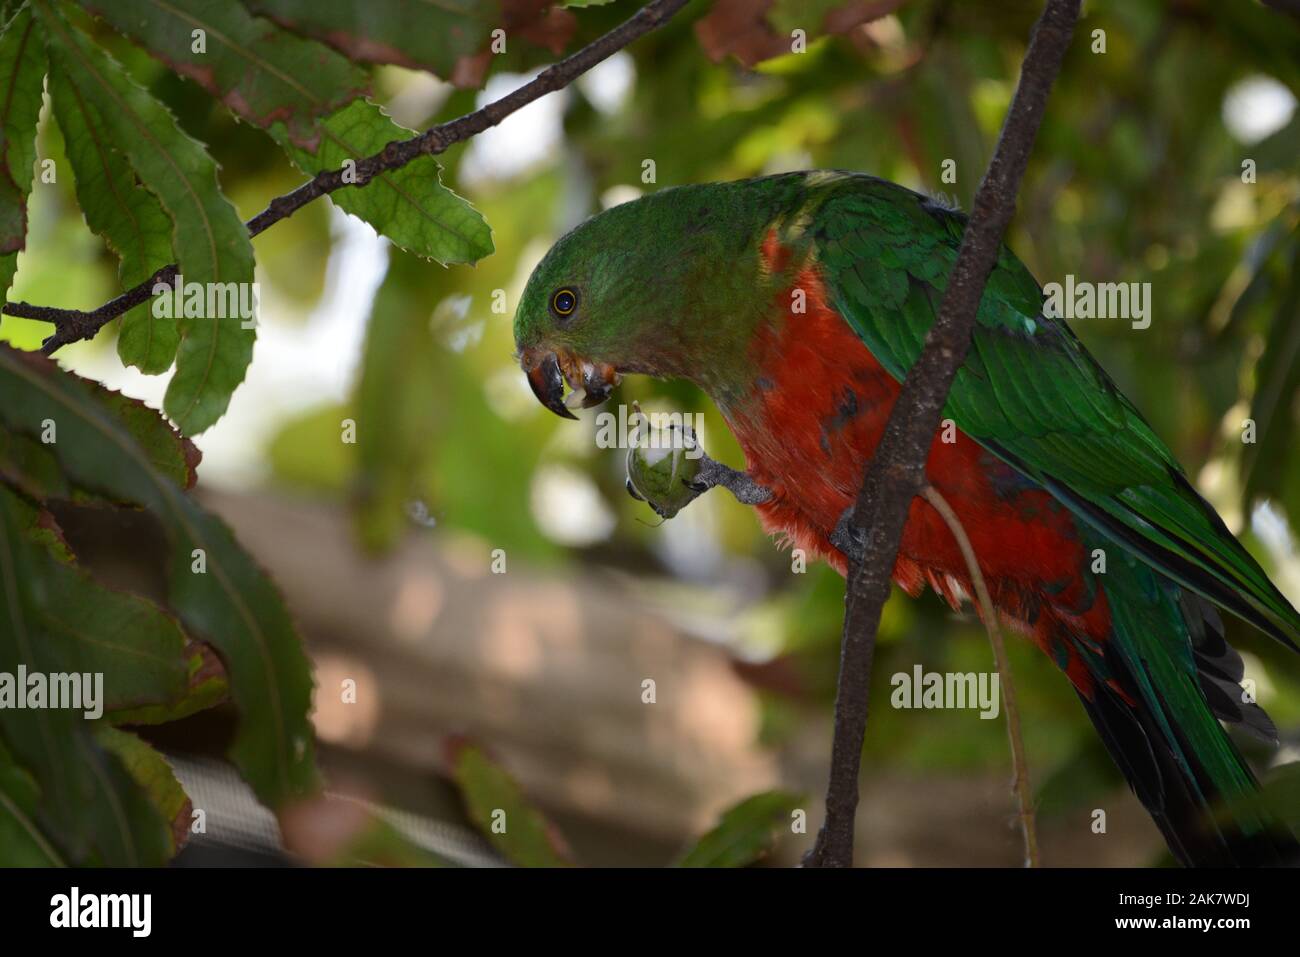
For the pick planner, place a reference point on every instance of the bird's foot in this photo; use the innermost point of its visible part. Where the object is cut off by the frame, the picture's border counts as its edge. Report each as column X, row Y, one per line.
column 713, row 473
column 848, row 538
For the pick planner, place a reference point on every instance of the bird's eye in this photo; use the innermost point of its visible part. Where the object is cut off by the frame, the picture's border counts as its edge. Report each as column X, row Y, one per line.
column 564, row 302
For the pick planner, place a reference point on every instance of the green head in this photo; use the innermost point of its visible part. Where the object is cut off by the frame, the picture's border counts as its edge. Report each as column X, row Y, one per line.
column 660, row 286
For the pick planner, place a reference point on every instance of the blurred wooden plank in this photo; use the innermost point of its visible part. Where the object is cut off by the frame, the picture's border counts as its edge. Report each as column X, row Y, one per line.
column 545, row 670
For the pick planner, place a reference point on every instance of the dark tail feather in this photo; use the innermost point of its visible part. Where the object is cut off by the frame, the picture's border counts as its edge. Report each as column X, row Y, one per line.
column 1184, row 802
column 1220, row 669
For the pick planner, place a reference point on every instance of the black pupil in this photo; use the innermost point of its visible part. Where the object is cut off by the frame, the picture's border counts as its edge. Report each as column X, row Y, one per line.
column 564, row 302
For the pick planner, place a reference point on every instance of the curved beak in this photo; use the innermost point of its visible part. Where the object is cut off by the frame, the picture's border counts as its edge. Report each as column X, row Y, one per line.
column 548, row 383
column 548, row 373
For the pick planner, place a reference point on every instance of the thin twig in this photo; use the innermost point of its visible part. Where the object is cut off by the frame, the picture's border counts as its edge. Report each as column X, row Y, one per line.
column 72, row 325
column 1020, row 766
column 897, row 470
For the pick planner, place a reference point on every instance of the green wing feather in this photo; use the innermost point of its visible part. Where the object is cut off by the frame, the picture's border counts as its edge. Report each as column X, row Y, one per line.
column 1029, row 392
column 1150, row 630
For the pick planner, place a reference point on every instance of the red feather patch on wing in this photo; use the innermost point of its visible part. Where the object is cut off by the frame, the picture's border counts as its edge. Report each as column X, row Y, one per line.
column 815, row 417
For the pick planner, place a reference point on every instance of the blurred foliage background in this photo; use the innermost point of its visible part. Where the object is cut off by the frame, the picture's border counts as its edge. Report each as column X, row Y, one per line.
column 1169, row 155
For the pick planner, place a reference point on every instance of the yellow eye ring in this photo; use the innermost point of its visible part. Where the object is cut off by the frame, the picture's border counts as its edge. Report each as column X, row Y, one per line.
column 564, row 302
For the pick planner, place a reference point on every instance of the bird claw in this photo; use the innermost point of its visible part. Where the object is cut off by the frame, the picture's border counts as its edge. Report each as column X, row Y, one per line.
column 848, row 538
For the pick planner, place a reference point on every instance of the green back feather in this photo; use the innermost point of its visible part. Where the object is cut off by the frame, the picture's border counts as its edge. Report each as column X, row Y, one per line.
column 1029, row 392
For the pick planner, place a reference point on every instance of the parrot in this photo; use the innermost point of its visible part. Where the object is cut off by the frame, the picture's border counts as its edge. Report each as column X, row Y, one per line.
column 797, row 303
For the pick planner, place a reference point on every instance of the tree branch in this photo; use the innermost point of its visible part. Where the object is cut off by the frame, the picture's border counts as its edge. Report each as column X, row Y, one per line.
column 1019, row 766
column 72, row 325
column 897, row 470
column 714, row 474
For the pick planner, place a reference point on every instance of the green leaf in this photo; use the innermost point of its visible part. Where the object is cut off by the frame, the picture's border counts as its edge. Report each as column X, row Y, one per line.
column 745, row 833
column 258, row 71
column 154, row 776
column 22, row 75
column 1277, row 384
column 168, row 451
column 128, row 217
column 425, row 36
column 50, row 627
column 501, row 811
column 230, row 604
column 29, row 466
column 399, row 371
column 32, row 465
column 409, row 205
column 1257, row 261
column 85, row 627
column 8, row 267
column 210, row 243
column 21, row 842
column 385, row 844
column 205, row 687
